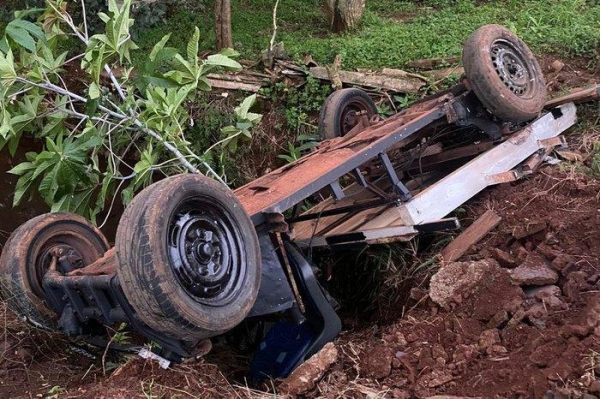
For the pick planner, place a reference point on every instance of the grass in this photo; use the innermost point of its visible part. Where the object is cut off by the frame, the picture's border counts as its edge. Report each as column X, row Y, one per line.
column 392, row 33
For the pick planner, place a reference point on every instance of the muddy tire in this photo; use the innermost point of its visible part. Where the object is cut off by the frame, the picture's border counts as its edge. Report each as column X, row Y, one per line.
column 27, row 256
column 340, row 112
column 504, row 74
column 188, row 257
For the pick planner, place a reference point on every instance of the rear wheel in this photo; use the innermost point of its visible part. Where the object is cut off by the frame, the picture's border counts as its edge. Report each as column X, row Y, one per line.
column 188, row 257
column 341, row 112
column 504, row 74
column 28, row 254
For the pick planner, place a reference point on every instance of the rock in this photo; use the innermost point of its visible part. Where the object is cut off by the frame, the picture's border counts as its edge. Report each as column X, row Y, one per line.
column 489, row 338
column 417, row 294
column 549, row 295
column 534, row 271
column 574, row 330
column 496, row 350
column 438, row 378
column 593, row 279
column 426, row 359
column 570, row 268
column 540, row 292
column 438, row 351
column 398, row 393
column 498, row 320
column 551, row 239
column 547, row 252
column 376, row 362
column 455, row 279
column 504, row 258
column 304, row 378
column 464, row 353
column 559, row 371
column 562, row 261
column 452, row 397
column 516, row 318
column 574, row 285
column 557, row 65
column 529, row 229
column 594, row 387
column 537, row 315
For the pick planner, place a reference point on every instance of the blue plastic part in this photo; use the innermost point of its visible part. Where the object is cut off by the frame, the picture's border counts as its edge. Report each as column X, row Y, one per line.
column 282, row 349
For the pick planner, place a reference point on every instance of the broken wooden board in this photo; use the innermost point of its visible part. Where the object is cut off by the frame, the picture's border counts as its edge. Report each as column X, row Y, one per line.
column 578, row 96
column 470, row 236
column 251, row 82
column 400, row 84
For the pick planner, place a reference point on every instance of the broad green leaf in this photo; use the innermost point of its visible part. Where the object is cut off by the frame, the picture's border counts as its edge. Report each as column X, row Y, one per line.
column 30, row 27
column 94, row 91
column 21, row 37
column 158, row 47
column 192, row 47
column 242, row 110
column 7, row 69
column 204, row 84
column 222, row 61
column 229, row 52
column 22, row 187
column 21, row 168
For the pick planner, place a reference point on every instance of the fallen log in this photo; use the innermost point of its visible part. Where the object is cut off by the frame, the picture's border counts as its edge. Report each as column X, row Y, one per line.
column 404, row 84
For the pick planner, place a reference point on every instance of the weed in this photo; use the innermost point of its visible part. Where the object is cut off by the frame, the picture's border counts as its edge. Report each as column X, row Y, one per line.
column 595, row 165
column 306, row 143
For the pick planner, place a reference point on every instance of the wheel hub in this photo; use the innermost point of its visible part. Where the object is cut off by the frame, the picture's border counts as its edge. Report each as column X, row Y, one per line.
column 350, row 117
column 205, row 253
column 511, row 68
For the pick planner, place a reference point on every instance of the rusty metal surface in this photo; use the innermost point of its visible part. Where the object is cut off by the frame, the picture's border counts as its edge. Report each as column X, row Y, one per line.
column 284, row 187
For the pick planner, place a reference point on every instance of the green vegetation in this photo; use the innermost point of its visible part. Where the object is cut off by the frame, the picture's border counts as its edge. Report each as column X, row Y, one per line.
column 119, row 129
column 394, row 32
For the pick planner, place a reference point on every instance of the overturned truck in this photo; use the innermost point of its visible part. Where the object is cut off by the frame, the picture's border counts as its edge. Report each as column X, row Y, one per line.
column 192, row 259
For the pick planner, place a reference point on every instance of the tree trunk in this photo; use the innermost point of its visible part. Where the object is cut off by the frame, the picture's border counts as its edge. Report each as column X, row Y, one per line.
column 223, row 24
column 344, row 15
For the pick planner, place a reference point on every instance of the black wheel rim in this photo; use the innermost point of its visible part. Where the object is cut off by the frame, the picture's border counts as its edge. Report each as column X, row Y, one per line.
column 513, row 69
column 350, row 116
column 205, row 249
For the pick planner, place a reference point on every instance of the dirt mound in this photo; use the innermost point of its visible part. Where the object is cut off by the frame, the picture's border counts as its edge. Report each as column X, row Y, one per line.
column 523, row 329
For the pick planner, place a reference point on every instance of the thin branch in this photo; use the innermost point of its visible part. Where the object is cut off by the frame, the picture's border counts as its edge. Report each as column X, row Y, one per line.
column 272, row 43
column 85, row 27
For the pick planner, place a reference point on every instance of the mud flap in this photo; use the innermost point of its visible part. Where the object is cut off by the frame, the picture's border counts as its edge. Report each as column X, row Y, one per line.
column 288, row 344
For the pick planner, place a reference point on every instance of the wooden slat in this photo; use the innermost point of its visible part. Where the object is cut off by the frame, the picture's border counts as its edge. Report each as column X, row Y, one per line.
column 582, row 95
column 475, row 232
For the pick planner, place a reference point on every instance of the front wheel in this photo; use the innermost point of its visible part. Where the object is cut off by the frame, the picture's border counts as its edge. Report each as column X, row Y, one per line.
column 188, row 257
column 504, row 74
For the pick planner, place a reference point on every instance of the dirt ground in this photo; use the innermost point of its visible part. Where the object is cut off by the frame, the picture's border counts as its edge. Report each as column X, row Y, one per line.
column 518, row 317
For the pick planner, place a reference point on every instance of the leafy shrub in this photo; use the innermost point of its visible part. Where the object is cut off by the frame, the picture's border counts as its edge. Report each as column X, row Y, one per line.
column 117, row 131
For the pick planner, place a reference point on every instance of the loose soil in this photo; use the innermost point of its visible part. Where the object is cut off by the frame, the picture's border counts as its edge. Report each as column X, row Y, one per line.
column 499, row 339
